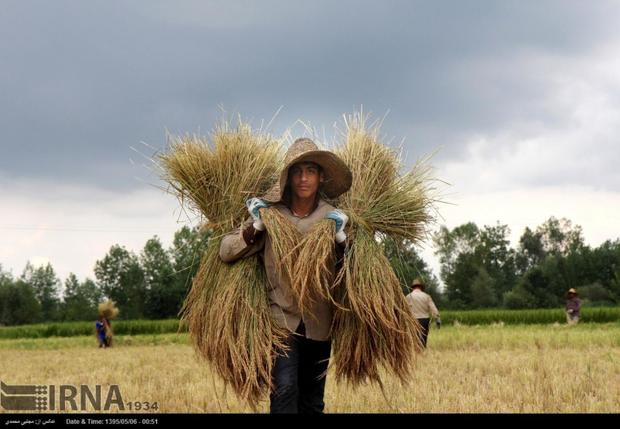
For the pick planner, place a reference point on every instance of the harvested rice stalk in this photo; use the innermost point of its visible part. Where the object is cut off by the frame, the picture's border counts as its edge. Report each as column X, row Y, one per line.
column 108, row 309
column 227, row 309
column 285, row 238
column 377, row 328
column 216, row 179
column 228, row 316
column 313, row 277
column 304, row 260
column 379, row 199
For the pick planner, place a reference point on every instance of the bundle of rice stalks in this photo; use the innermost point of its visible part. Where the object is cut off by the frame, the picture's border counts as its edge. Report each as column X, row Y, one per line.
column 381, row 200
column 376, row 327
column 313, row 276
column 216, row 179
column 285, row 238
column 227, row 308
column 302, row 260
column 229, row 320
column 108, row 309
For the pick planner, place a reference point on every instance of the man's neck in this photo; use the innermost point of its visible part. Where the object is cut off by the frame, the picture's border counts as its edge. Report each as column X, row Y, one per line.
column 302, row 207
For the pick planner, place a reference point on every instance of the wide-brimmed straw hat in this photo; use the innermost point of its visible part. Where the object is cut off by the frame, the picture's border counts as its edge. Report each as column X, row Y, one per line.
column 571, row 290
column 337, row 175
column 417, row 282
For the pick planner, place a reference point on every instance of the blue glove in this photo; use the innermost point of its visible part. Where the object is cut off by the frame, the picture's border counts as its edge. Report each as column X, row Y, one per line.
column 253, row 205
column 341, row 220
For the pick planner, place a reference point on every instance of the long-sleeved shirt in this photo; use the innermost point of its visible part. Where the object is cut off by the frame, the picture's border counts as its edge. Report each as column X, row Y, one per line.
column 574, row 304
column 284, row 305
column 422, row 304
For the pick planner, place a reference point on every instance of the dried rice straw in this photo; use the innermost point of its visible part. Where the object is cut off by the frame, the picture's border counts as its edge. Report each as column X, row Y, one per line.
column 227, row 309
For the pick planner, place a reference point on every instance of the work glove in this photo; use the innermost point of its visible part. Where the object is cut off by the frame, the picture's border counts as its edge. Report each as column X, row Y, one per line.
column 341, row 220
column 438, row 323
column 253, row 205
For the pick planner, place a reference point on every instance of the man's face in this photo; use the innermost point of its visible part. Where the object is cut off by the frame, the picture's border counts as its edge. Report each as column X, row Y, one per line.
column 305, row 178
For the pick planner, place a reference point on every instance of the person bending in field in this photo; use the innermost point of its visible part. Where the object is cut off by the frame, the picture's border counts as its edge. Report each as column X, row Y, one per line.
column 308, row 177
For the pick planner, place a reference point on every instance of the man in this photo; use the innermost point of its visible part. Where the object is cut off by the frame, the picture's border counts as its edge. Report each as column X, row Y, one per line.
column 104, row 331
column 423, row 307
column 573, row 307
column 309, row 176
column 100, row 327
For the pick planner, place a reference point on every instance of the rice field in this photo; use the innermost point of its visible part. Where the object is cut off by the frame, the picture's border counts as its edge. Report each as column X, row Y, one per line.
column 467, row 368
column 469, row 317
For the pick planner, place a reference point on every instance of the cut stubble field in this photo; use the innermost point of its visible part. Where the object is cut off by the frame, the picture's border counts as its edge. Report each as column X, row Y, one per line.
column 486, row 369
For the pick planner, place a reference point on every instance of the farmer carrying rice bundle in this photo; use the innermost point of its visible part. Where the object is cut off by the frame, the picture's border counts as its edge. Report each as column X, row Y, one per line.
column 310, row 175
column 299, row 280
column 103, row 326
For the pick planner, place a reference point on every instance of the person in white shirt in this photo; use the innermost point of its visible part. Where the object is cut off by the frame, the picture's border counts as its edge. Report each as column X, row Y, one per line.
column 423, row 308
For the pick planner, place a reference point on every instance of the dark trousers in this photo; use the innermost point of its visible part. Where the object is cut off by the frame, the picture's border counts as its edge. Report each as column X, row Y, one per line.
column 299, row 376
column 425, row 324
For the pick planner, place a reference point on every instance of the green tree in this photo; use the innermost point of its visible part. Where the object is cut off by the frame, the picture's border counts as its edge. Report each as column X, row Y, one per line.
column 120, row 278
column 498, row 259
column 559, row 237
column 596, row 294
column 538, row 283
column 531, row 251
column 80, row 299
column 186, row 253
column 464, row 251
column 483, row 290
column 45, row 285
column 518, row 298
column 161, row 300
column 408, row 266
column 18, row 305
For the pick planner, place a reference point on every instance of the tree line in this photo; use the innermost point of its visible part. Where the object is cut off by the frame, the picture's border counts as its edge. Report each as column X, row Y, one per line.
column 478, row 267
column 151, row 285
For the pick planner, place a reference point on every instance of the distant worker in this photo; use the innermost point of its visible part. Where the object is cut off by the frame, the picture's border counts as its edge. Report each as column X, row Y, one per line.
column 423, row 308
column 101, row 328
column 573, row 307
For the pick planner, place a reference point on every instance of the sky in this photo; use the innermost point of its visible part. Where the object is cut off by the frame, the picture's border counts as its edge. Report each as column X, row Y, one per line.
column 518, row 101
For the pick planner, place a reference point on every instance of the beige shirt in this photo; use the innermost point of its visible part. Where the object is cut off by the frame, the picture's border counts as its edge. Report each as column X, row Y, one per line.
column 422, row 305
column 284, row 306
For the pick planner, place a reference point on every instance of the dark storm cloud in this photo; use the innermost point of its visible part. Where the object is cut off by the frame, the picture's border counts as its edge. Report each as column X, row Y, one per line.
column 81, row 82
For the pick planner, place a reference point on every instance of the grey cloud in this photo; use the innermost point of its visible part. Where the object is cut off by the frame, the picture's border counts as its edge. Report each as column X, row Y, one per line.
column 82, row 82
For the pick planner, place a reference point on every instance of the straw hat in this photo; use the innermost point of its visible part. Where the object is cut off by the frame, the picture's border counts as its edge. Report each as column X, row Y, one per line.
column 338, row 177
column 572, row 290
column 417, row 282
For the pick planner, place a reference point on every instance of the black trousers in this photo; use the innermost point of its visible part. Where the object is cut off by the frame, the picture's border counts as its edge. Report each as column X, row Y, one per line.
column 425, row 324
column 299, row 376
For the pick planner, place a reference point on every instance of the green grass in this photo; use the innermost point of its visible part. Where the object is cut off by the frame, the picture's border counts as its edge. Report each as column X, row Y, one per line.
column 168, row 326
column 450, row 338
column 72, row 329
column 526, row 317
column 120, row 341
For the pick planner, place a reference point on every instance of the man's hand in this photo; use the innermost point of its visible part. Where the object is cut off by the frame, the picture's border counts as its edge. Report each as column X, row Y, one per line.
column 341, row 220
column 253, row 205
column 438, row 323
